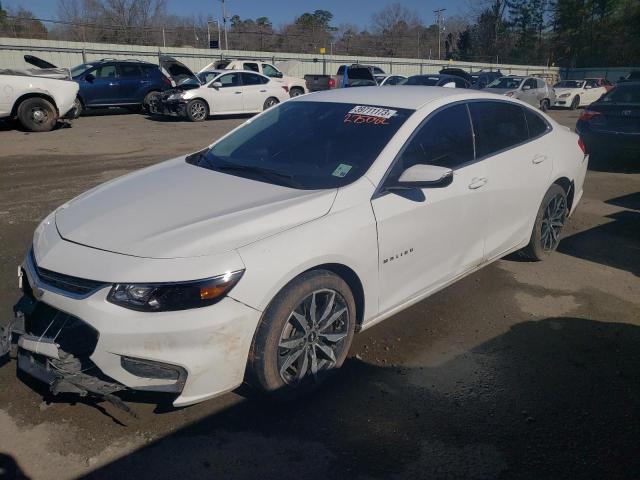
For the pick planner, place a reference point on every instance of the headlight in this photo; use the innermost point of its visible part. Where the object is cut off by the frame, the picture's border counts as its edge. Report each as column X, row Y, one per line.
column 176, row 96
column 564, row 95
column 166, row 297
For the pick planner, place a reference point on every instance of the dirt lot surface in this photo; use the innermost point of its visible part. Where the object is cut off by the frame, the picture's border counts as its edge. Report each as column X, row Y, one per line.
column 522, row 370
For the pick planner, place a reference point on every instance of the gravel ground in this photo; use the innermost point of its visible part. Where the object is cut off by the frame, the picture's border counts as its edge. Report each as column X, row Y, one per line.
column 522, row 370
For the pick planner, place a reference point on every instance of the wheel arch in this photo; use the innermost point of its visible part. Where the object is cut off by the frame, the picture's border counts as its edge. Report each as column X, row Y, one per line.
column 568, row 186
column 22, row 98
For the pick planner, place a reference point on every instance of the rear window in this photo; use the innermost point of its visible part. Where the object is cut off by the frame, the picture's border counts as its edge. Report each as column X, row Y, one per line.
column 535, row 123
column 497, row 126
column 623, row 94
column 506, row 82
column 307, row 145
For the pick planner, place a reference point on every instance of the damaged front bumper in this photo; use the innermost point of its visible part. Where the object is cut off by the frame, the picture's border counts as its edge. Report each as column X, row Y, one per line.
column 172, row 108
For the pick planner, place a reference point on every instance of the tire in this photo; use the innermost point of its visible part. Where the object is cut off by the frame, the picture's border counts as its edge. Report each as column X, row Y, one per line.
column 291, row 355
column 197, row 110
column 77, row 110
column 575, row 103
column 146, row 102
column 544, row 104
column 270, row 102
column 37, row 115
column 545, row 237
column 296, row 92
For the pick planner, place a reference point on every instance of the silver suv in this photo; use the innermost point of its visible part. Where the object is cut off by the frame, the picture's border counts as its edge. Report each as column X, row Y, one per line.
column 532, row 90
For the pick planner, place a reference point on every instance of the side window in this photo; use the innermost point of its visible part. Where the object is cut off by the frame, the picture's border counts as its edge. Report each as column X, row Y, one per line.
column 540, row 83
column 269, row 71
column 105, row 71
column 592, row 83
column 535, row 123
column 531, row 83
column 128, row 71
column 253, row 79
column 497, row 126
column 229, row 80
column 444, row 140
column 251, row 66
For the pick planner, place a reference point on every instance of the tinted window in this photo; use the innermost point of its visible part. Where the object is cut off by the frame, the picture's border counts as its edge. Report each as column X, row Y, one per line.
column 377, row 70
column 497, row 125
column 105, row 71
column 460, row 83
column 506, row 82
column 540, row 83
column 128, row 71
column 444, row 140
column 422, row 80
column 229, row 80
column 535, row 123
column 253, row 79
column 623, row 94
column 306, row 145
column 250, row 66
column 148, row 69
column 78, row 69
column 593, row 83
column 531, row 83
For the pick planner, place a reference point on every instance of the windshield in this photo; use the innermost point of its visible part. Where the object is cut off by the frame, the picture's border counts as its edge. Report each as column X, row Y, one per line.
column 506, row 82
column 206, row 77
column 422, row 80
column 306, row 145
column 189, row 81
column 80, row 69
column 569, row 84
column 623, row 94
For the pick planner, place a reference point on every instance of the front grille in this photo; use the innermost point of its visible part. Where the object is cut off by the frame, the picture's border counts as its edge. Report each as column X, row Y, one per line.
column 66, row 283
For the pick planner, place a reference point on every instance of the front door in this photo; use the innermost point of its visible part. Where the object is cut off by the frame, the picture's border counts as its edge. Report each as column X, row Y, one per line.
column 428, row 236
column 529, row 92
column 102, row 87
column 228, row 97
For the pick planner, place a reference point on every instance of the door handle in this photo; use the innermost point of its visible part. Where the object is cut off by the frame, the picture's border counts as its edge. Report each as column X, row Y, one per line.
column 538, row 158
column 237, row 93
column 262, row 91
column 477, row 183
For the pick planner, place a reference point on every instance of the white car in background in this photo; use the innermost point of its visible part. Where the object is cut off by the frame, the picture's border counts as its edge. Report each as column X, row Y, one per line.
column 385, row 79
column 577, row 93
column 217, row 92
column 259, row 257
column 37, row 98
column 296, row 86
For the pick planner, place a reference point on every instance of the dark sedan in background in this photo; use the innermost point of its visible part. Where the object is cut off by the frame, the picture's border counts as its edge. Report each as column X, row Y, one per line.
column 612, row 124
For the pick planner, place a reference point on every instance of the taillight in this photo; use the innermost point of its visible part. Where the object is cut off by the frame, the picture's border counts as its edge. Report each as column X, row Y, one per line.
column 166, row 81
column 332, row 83
column 582, row 145
column 285, row 88
column 587, row 115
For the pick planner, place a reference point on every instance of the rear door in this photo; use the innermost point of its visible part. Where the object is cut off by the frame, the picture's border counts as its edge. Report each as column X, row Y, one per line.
column 428, row 236
column 132, row 83
column 228, row 97
column 518, row 169
column 254, row 91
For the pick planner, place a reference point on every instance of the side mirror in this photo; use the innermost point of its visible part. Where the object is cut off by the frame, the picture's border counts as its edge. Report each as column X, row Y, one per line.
column 526, row 87
column 89, row 77
column 216, row 85
column 424, row 176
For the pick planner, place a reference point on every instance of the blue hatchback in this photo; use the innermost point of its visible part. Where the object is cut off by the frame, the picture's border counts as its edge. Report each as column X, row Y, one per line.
column 118, row 83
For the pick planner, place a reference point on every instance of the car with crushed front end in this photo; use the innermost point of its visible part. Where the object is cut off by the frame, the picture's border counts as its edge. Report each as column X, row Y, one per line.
column 258, row 258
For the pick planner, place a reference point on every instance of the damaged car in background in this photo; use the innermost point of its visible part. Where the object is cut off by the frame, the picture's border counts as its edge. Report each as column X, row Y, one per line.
column 257, row 259
column 216, row 92
column 36, row 98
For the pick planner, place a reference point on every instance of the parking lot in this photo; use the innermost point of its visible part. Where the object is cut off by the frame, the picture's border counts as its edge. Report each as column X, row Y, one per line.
column 521, row 370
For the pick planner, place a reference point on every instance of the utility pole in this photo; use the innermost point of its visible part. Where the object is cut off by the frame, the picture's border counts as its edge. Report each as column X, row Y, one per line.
column 439, row 19
column 224, row 21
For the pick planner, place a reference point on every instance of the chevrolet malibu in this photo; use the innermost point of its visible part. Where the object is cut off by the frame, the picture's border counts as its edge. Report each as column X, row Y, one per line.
column 257, row 259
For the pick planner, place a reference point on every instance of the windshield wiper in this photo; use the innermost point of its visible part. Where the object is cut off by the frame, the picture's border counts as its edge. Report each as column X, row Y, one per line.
column 261, row 171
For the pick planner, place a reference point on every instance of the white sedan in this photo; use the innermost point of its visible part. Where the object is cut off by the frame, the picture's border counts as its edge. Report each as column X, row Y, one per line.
column 259, row 257
column 577, row 93
column 218, row 92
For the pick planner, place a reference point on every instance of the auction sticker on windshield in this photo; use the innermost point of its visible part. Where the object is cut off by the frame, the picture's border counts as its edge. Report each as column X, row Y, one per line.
column 341, row 170
column 373, row 111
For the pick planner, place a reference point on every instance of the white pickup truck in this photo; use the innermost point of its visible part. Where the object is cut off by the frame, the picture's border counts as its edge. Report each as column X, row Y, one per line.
column 296, row 86
column 37, row 98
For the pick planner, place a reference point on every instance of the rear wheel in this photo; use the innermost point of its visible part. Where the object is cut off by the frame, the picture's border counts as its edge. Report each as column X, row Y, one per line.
column 575, row 103
column 270, row 102
column 304, row 335
column 544, row 104
column 548, row 225
column 296, row 92
column 37, row 115
column 197, row 110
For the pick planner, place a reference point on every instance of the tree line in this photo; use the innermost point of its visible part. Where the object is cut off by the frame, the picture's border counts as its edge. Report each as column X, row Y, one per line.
column 567, row 33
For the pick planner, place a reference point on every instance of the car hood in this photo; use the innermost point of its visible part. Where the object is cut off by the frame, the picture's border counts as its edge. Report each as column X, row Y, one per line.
column 500, row 91
column 560, row 91
column 175, row 209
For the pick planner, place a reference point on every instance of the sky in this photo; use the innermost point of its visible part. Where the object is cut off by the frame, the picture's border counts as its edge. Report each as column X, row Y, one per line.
column 280, row 12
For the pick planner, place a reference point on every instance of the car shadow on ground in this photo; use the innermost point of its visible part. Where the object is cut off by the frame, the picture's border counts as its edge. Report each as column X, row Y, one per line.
column 169, row 118
column 555, row 398
column 615, row 163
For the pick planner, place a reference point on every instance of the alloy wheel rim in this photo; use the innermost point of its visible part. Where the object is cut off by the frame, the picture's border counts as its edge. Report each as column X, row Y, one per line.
column 271, row 103
column 197, row 110
column 552, row 222
column 313, row 337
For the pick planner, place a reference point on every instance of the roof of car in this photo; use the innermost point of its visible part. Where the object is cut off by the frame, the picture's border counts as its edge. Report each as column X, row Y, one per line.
column 400, row 96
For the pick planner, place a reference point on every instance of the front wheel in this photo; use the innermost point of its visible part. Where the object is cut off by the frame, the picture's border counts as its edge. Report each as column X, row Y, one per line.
column 548, row 225
column 304, row 335
column 197, row 110
column 37, row 115
column 270, row 102
column 77, row 108
column 575, row 103
column 148, row 99
column 544, row 104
